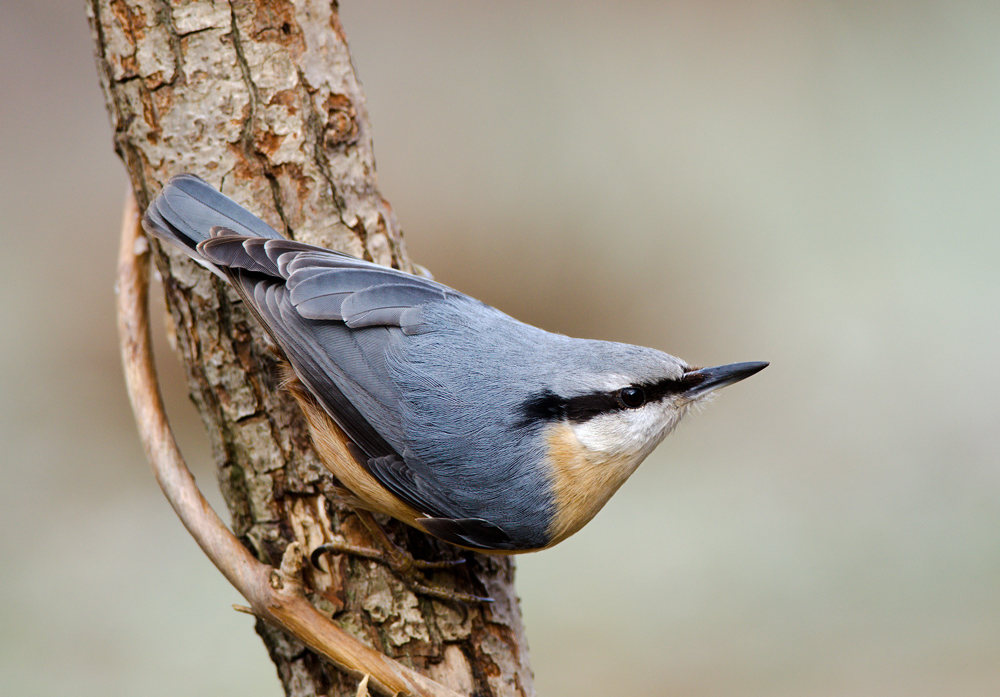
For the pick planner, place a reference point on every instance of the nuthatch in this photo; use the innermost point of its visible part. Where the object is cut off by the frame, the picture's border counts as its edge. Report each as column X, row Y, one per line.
column 433, row 407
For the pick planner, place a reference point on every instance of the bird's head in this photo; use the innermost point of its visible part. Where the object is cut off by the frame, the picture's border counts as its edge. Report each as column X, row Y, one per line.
column 602, row 423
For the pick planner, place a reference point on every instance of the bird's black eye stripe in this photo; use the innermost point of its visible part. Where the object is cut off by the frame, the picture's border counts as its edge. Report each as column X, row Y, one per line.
column 587, row 406
column 548, row 406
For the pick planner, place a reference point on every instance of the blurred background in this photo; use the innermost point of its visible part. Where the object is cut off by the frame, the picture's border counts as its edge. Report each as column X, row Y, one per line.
column 809, row 183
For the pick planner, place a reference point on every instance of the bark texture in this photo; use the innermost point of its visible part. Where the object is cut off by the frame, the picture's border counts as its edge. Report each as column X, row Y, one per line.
column 261, row 99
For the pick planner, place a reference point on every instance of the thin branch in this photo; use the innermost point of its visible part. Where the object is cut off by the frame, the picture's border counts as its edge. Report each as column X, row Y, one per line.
column 274, row 595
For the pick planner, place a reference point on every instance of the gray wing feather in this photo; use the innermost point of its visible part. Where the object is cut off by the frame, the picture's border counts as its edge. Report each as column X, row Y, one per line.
column 195, row 207
column 468, row 532
column 188, row 209
column 319, row 293
column 407, row 479
column 384, row 305
column 226, row 249
column 282, row 250
column 360, row 296
column 329, row 259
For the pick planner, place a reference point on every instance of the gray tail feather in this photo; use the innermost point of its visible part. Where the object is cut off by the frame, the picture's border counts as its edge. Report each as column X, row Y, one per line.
column 188, row 208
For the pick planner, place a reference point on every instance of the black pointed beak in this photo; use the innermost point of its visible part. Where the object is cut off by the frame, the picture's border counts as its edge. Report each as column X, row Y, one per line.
column 705, row 380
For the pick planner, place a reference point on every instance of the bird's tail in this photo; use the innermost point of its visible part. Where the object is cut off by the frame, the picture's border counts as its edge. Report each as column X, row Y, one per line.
column 187, row 210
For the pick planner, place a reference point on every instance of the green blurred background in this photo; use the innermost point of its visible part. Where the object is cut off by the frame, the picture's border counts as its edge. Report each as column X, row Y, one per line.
column 810, row 183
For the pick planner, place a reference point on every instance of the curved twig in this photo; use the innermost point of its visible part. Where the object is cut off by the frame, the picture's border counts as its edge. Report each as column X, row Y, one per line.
column 274, row 595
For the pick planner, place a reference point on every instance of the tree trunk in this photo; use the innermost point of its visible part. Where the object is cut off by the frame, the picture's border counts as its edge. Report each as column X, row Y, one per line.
column 260, row 99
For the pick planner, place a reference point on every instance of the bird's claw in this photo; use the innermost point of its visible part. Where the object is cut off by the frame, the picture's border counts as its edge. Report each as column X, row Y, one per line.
column 404, row 566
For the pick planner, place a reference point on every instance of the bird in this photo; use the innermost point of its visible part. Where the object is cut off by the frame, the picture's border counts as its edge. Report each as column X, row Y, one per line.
column 430, row 406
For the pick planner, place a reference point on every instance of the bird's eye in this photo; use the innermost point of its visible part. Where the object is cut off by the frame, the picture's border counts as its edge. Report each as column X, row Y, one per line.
column 631, row 397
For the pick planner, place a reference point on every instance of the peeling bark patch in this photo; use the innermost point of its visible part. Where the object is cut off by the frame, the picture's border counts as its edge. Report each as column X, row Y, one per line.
column 275, row 22
column 149, row 116
column 354, row 624
column 192, row 17
column 257, row 446
column 131, row 24
column 399, row 615
column 341, row 121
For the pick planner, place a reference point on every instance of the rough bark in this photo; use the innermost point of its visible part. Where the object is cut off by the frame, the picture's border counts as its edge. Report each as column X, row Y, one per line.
column 261, row 99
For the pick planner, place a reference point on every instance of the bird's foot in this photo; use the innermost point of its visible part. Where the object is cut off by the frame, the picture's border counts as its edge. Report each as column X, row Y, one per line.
column 401, row 562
